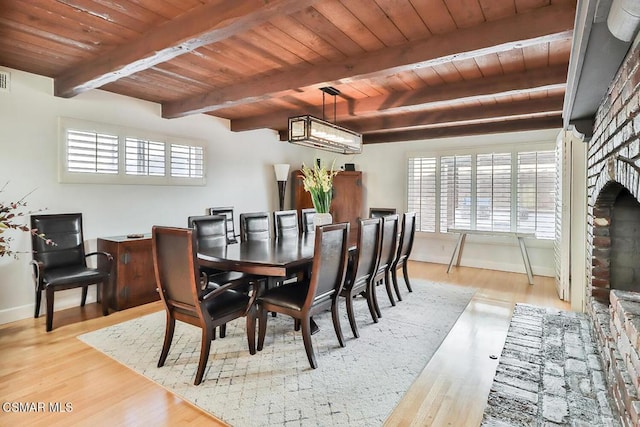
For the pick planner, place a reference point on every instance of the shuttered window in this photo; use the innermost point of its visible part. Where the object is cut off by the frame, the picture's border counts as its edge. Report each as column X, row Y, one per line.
column 493, row 192
column 100, row 153
column 421, row 192
column 187, row 161
column 144, row 157
column 537, row 193
column 455, row 192
column 508, row 191
column 91, row 152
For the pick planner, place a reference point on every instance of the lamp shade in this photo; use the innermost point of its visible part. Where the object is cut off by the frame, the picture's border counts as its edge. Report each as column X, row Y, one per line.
column 314, row 132
column 282, row 171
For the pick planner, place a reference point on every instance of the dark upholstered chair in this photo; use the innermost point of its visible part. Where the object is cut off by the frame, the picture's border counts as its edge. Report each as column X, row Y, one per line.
column 227, row 211
column 63, row 265
column 388, row 246
column 185, row 297
column 255, row 226
column 285, row 223
column 404, row 250
column 211, row 231
column 380, row 212
column 306, row 220
column 361, row 268
column 318, row 293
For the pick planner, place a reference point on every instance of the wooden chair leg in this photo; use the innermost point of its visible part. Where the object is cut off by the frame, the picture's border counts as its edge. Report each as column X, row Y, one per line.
column 262, row 327
column 351, row 316
column 204, row 354
column 223, row 330
column 405, row 272
column 85, row 291
column 104, row 300
column 374, row 298
column 251, row 330
column 36, row 314
column 387, row 285
column 308, row 345
column 168, row 337
column 394, row 276
column 372, row 309
column 336, row 322
column 49, row 309
column 296, row 324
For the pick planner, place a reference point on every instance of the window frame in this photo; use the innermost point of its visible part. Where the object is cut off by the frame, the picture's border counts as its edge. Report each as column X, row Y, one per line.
column 121, row 177
column 512, row 148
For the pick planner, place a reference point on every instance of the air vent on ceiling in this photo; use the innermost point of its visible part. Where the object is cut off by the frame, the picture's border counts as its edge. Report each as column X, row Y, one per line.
column 5, row 81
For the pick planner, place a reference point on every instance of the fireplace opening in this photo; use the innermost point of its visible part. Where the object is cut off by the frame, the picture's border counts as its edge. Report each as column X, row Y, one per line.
column 625, row 243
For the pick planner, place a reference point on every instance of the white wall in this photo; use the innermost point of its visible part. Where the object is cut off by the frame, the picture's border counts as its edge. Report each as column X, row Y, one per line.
column 239, row 174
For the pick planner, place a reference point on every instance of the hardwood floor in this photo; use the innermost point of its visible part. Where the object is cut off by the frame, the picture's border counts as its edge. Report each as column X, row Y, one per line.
column 57, row 368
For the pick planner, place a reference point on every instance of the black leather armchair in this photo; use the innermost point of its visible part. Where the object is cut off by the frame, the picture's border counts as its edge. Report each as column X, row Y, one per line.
column 63, row 264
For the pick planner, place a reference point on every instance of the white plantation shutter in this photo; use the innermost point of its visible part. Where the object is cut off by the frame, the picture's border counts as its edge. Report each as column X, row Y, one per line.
column 187, row 161
column 91, row 152
column 455, row 192
column 493, row 192
column 421, row 192
column 143, row 157
column 536, row 193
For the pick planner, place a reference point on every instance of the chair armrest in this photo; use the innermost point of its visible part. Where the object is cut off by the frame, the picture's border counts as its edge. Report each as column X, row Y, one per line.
column 38, row 268
column 109, row 257
column 233, row 285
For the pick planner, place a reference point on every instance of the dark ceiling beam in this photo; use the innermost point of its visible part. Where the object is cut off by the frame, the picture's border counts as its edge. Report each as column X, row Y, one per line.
column 543, row 25
column 516, row 125
column 551, row 105
column 431, row 96
column 199, row 27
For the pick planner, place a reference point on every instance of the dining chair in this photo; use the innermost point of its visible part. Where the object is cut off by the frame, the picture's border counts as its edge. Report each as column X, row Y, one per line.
column 63, row 264
column 388, row 242
column 187, row 299
column 404, row 250
column 306, row 220
column 318, row 293
column 380, row 212
column 255, row 226
column 361, row 268
column 227, row 211
column 211, row 231
column 285, row 223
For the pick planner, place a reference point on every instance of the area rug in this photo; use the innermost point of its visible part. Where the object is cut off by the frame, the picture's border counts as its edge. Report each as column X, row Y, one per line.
column 358, row 385
column 549, row 374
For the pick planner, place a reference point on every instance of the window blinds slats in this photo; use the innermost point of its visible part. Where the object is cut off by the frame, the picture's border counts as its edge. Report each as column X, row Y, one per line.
column 187, row 161
column 478, row 192
column 91, row 152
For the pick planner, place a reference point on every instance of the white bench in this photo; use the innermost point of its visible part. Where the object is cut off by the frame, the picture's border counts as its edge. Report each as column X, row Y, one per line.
column 520, row 236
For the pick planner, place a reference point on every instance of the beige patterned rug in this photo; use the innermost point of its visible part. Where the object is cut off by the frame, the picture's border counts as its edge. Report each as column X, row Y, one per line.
column 358, row 385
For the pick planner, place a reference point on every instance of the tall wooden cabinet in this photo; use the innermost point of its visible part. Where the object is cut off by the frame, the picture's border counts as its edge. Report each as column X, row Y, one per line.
column 346, row 205
column 133, row 280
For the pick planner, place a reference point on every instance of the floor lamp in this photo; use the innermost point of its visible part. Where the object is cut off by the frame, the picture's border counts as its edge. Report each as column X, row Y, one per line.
column 282, row 173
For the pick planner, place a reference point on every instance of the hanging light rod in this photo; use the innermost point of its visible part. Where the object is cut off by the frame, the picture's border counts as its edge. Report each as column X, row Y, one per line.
column 318, row 133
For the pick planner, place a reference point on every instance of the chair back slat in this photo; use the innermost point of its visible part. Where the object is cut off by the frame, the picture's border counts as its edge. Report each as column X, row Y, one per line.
column 329, row 262
column 286, row 223
column 65, row 230
column 174, row 261
column 389, row 241
column 255, row 226
column 368, row 249
column 227, row 211
column 306, row 220
column 210, row 230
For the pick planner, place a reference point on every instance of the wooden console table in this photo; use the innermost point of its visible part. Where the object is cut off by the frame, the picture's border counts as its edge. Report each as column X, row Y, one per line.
column 133, row 280
column 520, row 236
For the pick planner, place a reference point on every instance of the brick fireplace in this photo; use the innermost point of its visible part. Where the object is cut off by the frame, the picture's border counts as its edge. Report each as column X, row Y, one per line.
column 613, row 242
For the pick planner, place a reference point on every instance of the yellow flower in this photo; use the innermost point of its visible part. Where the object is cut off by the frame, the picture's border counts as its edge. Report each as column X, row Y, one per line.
column 319, row 183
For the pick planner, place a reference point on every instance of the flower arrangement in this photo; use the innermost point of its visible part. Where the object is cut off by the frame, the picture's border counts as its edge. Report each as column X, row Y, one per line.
column 9, row 213
column 319, row 183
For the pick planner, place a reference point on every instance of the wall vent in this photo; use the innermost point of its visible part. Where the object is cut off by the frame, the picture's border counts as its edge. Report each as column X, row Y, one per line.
column 5, row 81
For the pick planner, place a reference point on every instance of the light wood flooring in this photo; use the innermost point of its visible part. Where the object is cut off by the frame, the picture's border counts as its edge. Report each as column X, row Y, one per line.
column 452, row 390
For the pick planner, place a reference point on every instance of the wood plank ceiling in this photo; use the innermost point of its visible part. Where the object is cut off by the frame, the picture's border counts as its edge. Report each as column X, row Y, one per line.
column 405, row 69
